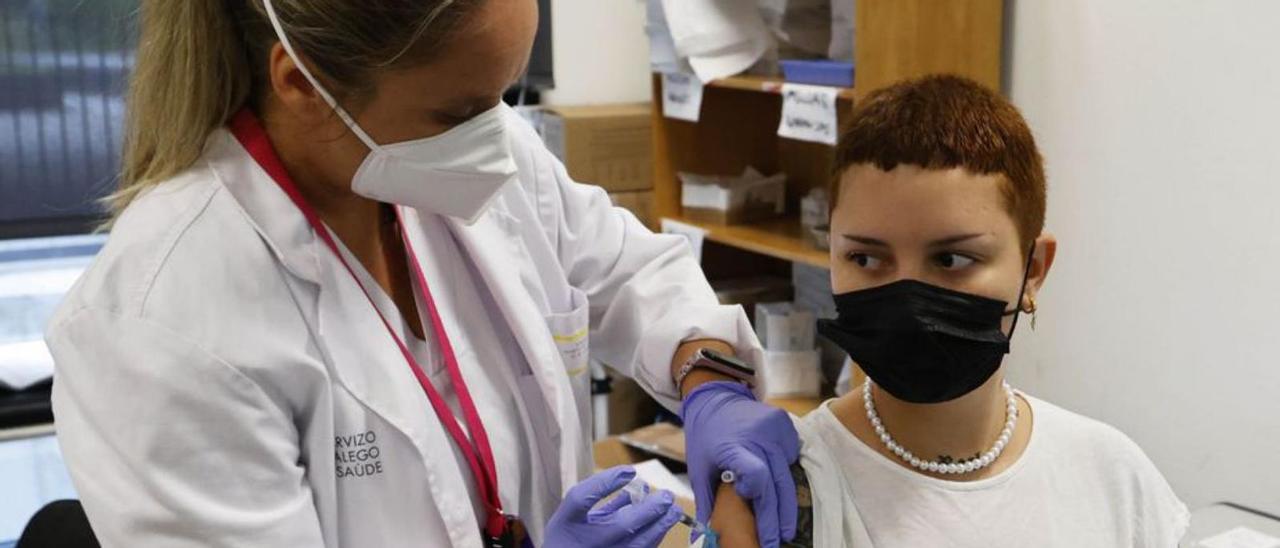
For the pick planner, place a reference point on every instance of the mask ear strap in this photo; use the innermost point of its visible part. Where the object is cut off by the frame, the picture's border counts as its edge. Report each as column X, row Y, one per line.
column 315, row 83
column 1017, row 306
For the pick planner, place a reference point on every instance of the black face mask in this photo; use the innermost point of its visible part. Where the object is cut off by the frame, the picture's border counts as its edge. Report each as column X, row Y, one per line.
column 919, row 342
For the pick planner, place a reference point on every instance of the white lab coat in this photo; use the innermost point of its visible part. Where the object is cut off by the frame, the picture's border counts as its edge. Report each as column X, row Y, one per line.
column 207, row 365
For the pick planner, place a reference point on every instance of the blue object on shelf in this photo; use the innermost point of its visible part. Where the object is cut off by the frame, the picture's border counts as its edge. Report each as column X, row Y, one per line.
column 818, row 72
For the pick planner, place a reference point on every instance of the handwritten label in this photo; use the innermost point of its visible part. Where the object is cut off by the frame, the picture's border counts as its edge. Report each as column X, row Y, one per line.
column 695, row 235
column 809, row 113
column 681, row 96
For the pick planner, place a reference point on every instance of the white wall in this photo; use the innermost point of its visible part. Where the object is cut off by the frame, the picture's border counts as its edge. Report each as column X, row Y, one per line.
column 1160, row 123
column 599, row 51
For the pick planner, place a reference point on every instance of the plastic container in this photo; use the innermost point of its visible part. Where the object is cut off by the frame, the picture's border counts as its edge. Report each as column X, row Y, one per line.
column 818, row 72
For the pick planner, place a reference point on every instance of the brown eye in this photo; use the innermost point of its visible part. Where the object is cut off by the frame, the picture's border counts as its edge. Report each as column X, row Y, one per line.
column 953, row 261
column 865, row 261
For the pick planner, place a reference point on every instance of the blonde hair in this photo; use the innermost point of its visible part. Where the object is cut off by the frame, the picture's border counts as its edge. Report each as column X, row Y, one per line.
column 201, row 61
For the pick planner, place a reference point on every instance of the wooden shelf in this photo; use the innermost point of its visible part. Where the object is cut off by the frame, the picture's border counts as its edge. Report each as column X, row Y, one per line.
column 782, row 238
column 764, row 84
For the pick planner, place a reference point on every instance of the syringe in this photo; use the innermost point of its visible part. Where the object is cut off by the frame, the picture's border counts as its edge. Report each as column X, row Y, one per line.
column 637, row 490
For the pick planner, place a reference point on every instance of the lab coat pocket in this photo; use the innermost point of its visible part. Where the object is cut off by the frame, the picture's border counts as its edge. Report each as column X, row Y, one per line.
column 571, row 333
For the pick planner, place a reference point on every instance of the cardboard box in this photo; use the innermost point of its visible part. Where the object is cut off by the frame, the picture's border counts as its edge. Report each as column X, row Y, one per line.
column 732, row 200
column 606, row 145
column 791, row 374
column 639, row 202
column 785, row 327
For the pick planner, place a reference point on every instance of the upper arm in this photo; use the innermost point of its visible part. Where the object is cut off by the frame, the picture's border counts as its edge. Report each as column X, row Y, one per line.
column 170, row 446
column 734, row 521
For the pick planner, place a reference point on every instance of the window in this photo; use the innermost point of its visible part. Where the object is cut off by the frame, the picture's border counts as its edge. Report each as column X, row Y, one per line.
column 63, row 71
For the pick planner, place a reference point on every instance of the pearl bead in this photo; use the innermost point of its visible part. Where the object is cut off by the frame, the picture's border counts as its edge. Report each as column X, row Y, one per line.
column 969, row 466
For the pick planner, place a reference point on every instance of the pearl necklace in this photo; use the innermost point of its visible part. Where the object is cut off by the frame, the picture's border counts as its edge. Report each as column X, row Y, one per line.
column 938, row 467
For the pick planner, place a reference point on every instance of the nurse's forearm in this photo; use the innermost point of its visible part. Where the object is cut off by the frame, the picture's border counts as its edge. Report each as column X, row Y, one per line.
column 698, row 376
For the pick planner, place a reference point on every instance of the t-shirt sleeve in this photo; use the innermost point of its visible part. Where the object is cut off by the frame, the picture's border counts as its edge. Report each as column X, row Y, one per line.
column 1160, row 517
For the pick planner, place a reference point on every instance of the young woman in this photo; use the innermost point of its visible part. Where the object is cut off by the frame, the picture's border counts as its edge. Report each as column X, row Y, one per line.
column 937, row 249
column 347, row 297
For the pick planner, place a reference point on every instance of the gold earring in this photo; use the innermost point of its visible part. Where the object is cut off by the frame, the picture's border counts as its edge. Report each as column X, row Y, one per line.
column 1031, row 309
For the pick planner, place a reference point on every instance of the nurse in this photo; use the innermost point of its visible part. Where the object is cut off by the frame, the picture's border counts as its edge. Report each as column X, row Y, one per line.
column 349, row 300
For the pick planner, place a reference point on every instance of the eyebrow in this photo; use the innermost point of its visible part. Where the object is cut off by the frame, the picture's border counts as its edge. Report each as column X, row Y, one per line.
column 866, row 240
column 955, row 239
column 950, row 240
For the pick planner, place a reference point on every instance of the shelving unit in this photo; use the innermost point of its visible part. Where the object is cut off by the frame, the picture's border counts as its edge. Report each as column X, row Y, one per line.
column 765, row 84
column 895, row 40
column 780, row 238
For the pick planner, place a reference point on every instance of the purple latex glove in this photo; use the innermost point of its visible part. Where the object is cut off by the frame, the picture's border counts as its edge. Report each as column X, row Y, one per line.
column 617, row 523
column 727, row 428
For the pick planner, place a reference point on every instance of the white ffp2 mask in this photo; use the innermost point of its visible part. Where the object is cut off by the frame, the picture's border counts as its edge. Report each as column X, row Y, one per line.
column 456, row 173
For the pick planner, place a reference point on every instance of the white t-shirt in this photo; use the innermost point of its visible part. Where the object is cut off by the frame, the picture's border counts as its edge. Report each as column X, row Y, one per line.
column 489, row 360
column 1078, row 483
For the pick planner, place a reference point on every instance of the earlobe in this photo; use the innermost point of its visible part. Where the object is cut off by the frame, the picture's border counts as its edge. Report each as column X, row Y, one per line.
column 1046, row 249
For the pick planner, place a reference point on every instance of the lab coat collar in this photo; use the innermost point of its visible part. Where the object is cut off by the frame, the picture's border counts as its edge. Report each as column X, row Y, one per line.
column 363, row 357
column 265, row 206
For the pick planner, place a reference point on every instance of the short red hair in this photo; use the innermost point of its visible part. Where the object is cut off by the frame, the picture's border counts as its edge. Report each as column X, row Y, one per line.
column 944, row 122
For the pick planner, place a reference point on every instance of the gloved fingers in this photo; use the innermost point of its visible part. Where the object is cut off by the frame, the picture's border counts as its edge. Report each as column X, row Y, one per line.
column 785, row 486
column 755, row 483
column 652, row 535
column 786, row 439
column 581, row 498
column 609, row 507
column 640, row 516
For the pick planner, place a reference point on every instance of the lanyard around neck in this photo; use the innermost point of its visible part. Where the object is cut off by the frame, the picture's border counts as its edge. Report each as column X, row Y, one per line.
column 479, row 456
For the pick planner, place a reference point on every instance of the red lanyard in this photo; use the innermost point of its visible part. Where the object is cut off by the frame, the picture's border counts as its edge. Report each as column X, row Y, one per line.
column 479, row 456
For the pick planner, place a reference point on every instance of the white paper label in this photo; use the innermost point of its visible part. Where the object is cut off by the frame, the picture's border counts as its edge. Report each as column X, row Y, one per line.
column 681, row 96
column 809, row 113
column 1240, row 537
column 695, row 235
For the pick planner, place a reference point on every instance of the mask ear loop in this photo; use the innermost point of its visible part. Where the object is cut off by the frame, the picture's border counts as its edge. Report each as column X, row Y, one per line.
column 315, row 83
column 1017, row 307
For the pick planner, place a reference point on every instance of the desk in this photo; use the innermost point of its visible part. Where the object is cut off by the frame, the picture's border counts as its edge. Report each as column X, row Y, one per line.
column 1219, row 518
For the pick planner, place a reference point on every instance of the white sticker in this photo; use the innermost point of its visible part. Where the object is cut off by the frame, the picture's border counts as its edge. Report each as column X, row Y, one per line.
column 1240, row 537
column 681, row 96
column 809, row 113
column 695, row 235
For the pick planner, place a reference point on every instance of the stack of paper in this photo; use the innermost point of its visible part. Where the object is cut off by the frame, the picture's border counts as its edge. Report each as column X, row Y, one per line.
column 662, row 47
column 718, row 37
